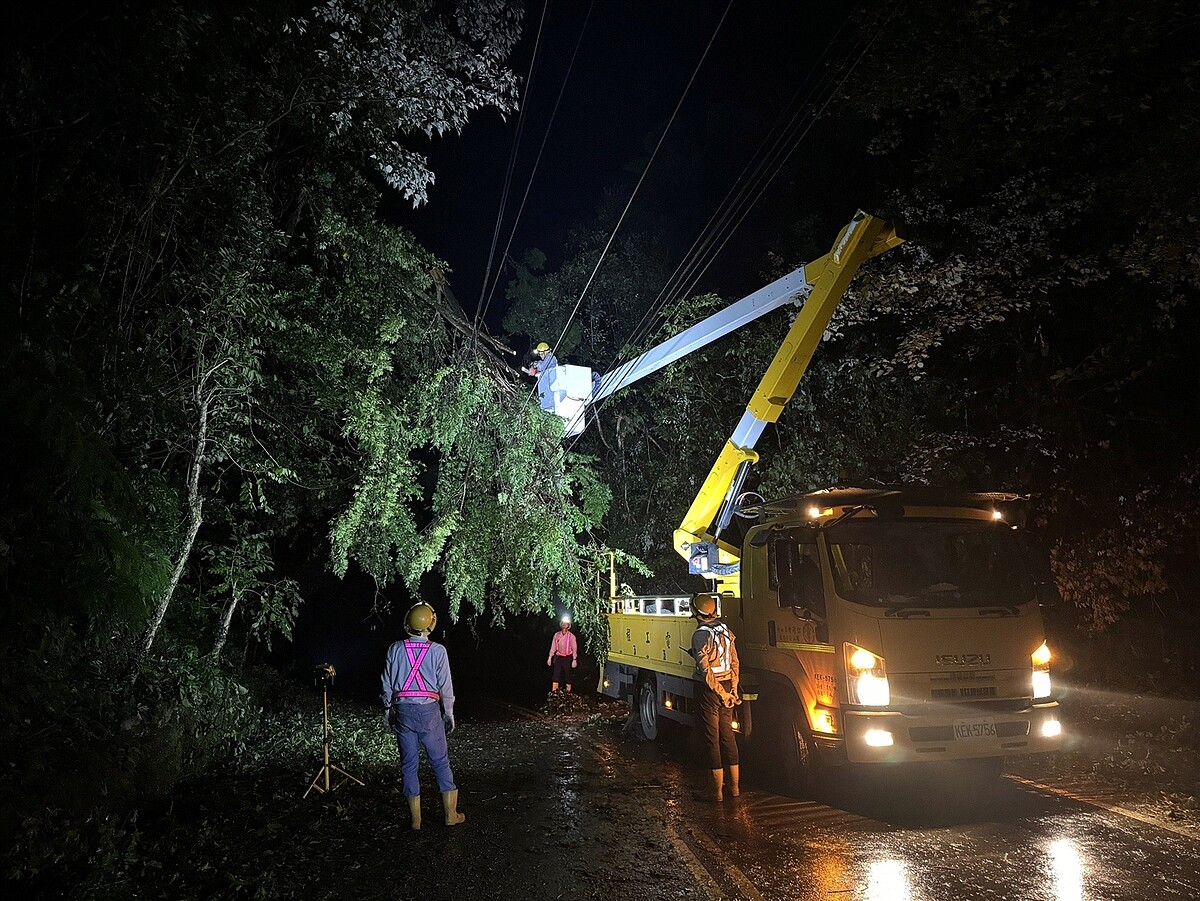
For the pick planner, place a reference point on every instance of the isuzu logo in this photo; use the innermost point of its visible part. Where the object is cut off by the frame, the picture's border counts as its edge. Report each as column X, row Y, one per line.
column 962, row 659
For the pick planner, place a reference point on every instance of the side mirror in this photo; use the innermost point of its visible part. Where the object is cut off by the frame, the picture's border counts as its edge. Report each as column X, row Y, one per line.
column 1046, row 592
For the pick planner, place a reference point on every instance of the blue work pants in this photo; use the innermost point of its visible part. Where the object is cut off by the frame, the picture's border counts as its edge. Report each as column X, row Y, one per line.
column 421, row 726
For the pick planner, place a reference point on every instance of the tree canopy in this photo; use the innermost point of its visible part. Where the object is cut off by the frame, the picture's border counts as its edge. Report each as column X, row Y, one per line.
column 217, row 344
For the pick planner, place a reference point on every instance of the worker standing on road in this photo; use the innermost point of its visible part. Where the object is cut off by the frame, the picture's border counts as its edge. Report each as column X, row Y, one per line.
column 717, row 672
column 564, row 656
column 416, row 677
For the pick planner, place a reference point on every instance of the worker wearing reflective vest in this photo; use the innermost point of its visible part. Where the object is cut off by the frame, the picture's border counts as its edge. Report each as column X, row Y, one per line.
column 718, row 691
column 419, row 695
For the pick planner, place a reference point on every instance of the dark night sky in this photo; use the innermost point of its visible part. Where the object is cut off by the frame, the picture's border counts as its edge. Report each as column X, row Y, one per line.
column 633, row 64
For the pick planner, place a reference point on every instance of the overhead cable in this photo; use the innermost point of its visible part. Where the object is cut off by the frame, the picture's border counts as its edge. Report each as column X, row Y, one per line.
column 638, row 186
column 562, row 88
column 774, row 161
column 512, row 159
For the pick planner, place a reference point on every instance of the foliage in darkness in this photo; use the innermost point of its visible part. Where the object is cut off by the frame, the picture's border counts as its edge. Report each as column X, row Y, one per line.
column 221, row 361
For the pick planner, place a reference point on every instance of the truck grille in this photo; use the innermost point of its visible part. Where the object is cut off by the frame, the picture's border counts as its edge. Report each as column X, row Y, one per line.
column 960, row 706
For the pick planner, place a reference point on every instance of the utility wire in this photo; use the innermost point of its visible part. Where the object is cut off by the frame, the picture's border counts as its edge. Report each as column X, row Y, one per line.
column 479, row 309
column 562, row 88
column 512, row 159
column 777, row 159
column 703, row 242
column 638, row 186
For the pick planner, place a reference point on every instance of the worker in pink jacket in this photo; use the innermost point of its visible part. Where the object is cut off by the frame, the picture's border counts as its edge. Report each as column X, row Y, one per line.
column 564, row 656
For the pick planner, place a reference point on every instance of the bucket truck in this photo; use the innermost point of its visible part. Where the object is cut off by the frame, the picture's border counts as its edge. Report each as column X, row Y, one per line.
column 875, row 625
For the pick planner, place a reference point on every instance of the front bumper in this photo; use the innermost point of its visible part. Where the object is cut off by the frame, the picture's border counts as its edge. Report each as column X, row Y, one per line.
column 950, row 734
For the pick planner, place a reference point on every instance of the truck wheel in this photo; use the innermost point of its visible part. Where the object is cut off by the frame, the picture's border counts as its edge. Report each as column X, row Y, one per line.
column 793, row 753
column 645, row 706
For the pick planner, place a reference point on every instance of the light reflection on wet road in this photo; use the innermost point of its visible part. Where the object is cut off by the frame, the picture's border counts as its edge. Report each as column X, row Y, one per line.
column 922, row 840
column 1013, row 844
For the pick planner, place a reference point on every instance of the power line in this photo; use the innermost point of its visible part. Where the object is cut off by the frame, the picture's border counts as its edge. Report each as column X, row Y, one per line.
column 512, row 159
column 776, row 159
column 562, row 88
column 649, row 163
column 701, row 246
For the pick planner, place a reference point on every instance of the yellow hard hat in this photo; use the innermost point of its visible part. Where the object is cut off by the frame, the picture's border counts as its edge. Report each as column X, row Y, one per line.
column 543, row 348
column 704, row 606
column 420, row 619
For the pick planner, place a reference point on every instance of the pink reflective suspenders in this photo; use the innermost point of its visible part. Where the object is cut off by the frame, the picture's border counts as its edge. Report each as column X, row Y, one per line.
column 415, row 659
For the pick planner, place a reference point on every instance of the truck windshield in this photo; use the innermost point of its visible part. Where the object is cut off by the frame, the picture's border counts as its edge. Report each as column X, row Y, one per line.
column 928, row 563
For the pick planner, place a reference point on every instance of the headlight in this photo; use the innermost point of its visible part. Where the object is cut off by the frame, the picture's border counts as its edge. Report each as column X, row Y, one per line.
column 1040, row 659
column 866, row 678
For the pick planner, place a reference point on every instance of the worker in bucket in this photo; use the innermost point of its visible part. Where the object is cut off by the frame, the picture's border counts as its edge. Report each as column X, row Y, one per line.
column 543, row 361
column 564, row 655
column 419, row 695
column 718, row 691
column 544, row 369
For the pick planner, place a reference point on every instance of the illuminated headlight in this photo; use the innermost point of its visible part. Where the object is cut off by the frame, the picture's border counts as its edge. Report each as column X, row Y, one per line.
column 1041, row 671
column 866, row 678
column 878, row 738
column 1051, row 728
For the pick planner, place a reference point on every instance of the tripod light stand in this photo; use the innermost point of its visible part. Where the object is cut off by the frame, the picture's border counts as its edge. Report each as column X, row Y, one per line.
column 322, row 782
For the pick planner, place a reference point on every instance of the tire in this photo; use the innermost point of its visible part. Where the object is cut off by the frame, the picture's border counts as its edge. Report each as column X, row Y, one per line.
column 791, row 752
column 645, row 706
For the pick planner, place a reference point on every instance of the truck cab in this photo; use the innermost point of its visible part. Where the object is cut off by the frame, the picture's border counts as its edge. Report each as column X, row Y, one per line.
column 906, row 622
column 876, row 625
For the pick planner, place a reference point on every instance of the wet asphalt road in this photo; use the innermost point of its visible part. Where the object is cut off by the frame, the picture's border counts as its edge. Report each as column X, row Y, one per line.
column 576, row 808
column 1010, row 842
column 913, row 840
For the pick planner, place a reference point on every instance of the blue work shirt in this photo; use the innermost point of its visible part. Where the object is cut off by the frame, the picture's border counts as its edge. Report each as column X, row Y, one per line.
column 434, row 669
column 544, row 365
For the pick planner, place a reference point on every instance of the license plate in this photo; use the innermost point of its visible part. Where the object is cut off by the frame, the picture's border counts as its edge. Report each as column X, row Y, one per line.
column 975, row 729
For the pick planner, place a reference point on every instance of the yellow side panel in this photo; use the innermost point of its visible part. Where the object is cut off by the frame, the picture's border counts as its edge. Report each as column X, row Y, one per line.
column 653, row 642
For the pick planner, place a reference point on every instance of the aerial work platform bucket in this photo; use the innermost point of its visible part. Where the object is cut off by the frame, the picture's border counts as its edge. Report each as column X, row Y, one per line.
column 564, row 390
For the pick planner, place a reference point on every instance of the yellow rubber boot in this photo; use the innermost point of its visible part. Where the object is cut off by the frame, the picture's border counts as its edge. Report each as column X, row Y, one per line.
column 450, row 806
column 718, row 777
column 734, row 790
column 414, row 808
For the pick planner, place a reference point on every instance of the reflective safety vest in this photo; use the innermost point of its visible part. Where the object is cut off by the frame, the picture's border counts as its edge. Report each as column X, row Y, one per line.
column 414, row 685
column 724, row 641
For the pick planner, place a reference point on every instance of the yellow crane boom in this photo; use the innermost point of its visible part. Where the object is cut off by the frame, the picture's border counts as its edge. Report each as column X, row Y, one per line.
column 827, row 277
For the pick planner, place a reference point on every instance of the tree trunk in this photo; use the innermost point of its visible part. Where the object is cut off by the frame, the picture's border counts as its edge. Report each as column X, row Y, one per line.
column 235, row 598
column 195, row 517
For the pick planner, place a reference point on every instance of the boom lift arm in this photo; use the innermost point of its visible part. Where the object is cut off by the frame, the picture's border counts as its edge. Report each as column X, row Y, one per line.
column 823, row 281
column 792, row 288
